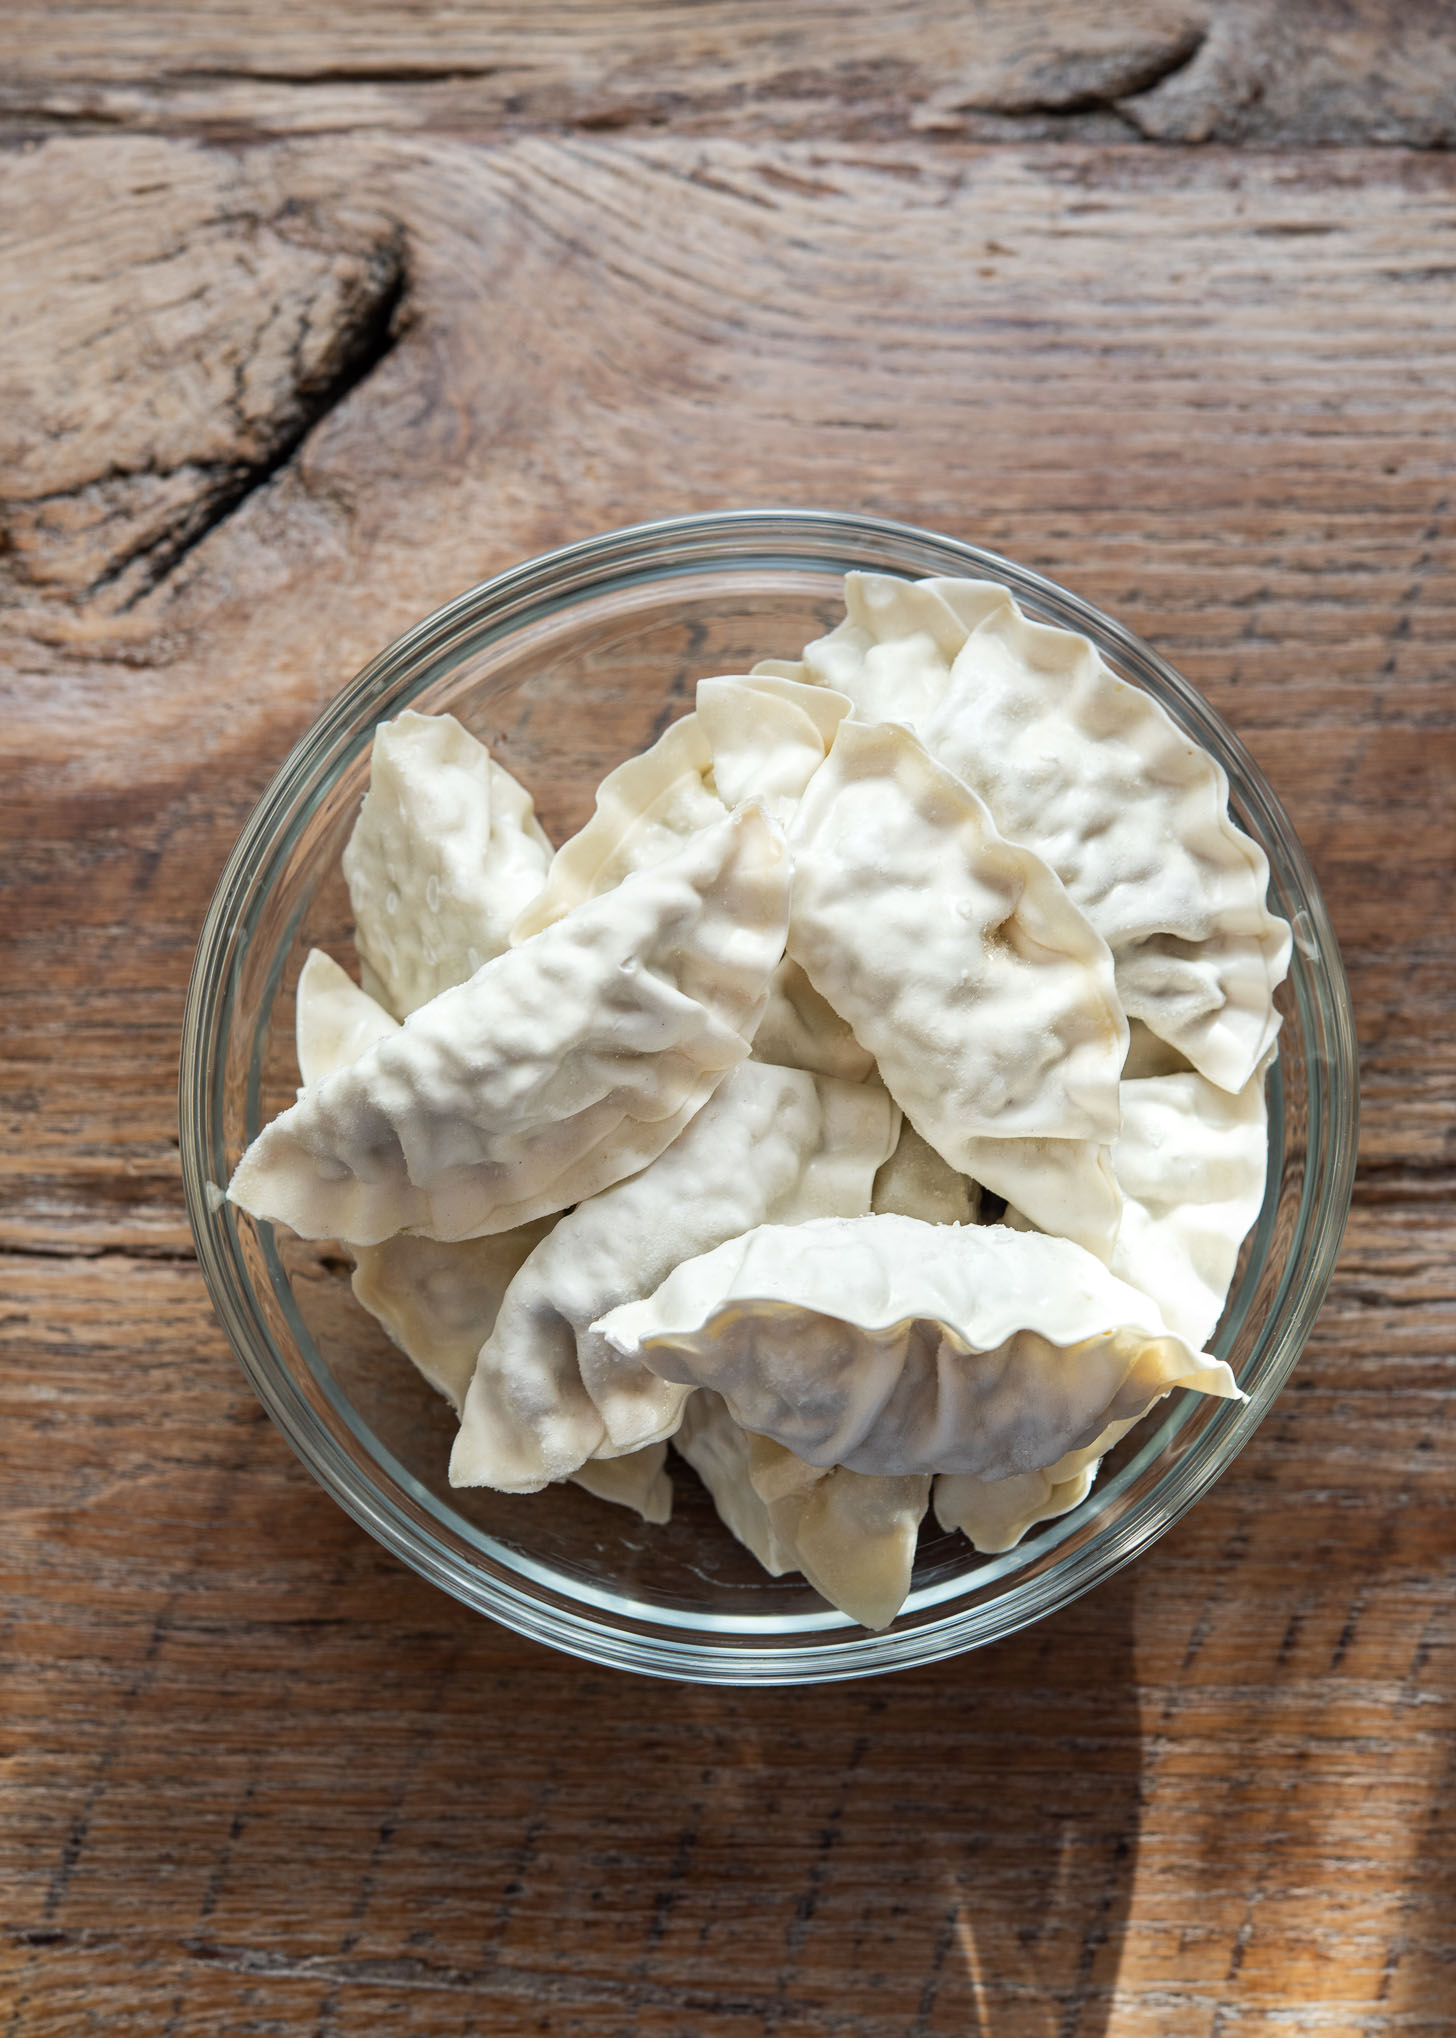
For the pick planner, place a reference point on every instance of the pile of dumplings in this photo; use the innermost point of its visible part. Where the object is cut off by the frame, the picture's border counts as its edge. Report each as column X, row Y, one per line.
column 691, row 1130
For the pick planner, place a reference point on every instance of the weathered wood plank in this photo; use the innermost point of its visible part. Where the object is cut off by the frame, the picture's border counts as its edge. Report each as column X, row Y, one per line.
column 256, row 1777
column 1280, row 72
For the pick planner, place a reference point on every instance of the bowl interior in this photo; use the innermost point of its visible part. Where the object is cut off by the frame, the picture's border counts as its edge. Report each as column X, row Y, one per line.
column 564, row 669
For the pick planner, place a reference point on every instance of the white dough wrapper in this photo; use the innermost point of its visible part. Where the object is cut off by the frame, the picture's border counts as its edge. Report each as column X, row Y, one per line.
column 800, row 1030
column 639, row 1480
column 548, row 1391
column 852, row 1535
column 957, row 957
column 916, row 1182
column 561, row 1067
column 444, row 855
column 1097, row 777
column 1192, row 1163
column 438, row 1299
column 894, row 1346
column 1063, row 1186
column 996, row 1513
column 749, row 738
column 334, row 1022
column 766, row 736
column 717, row 1449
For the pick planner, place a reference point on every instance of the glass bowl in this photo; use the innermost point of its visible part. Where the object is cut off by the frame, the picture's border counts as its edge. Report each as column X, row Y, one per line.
column 564, row 666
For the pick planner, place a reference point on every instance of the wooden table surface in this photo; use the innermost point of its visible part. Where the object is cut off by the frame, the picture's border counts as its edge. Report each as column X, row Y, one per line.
column 313, row 317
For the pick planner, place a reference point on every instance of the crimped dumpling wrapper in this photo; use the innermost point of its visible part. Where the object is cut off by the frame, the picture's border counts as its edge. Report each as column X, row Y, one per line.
column 1097, row 777
column 549, row 1392
column 559, row 1068
column 957, row 957
column 445, row 854
column 893, row 1346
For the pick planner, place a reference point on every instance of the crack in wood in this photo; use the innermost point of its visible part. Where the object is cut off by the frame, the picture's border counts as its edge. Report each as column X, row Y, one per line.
column 1075, row 84
column 152, row 1255
column 340, row 74
column 363, row 341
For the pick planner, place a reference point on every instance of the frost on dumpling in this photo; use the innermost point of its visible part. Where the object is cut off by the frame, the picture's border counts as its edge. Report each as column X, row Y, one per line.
column 444, row 855
column 984, row 996
column 894, row 1346
column 916, row 1182
column 1093, row 774
column 851, row 1534
column 639, row 1480
column 334, row 1022
column 996, row 1513
column 561, row 1067
column 749, row 738
column 549, row 1392
column 800, row 1030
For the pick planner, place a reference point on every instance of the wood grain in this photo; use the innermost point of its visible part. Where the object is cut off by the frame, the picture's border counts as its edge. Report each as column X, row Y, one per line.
column 264, row 406
column 1271, row 72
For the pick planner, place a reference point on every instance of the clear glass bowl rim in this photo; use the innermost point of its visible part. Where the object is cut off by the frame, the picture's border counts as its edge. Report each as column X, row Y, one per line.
column 747, row 540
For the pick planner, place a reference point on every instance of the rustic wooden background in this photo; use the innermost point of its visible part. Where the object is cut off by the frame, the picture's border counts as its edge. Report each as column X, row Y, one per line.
column 313, row 316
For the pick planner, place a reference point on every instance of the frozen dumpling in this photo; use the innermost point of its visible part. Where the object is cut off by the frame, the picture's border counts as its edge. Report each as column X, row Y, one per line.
column 639, row 1480
column 561, row 1067
column 438, row 1299
column 717, row 1449
column 956, row 957
column 1191, row 1162
column 893, row 1346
